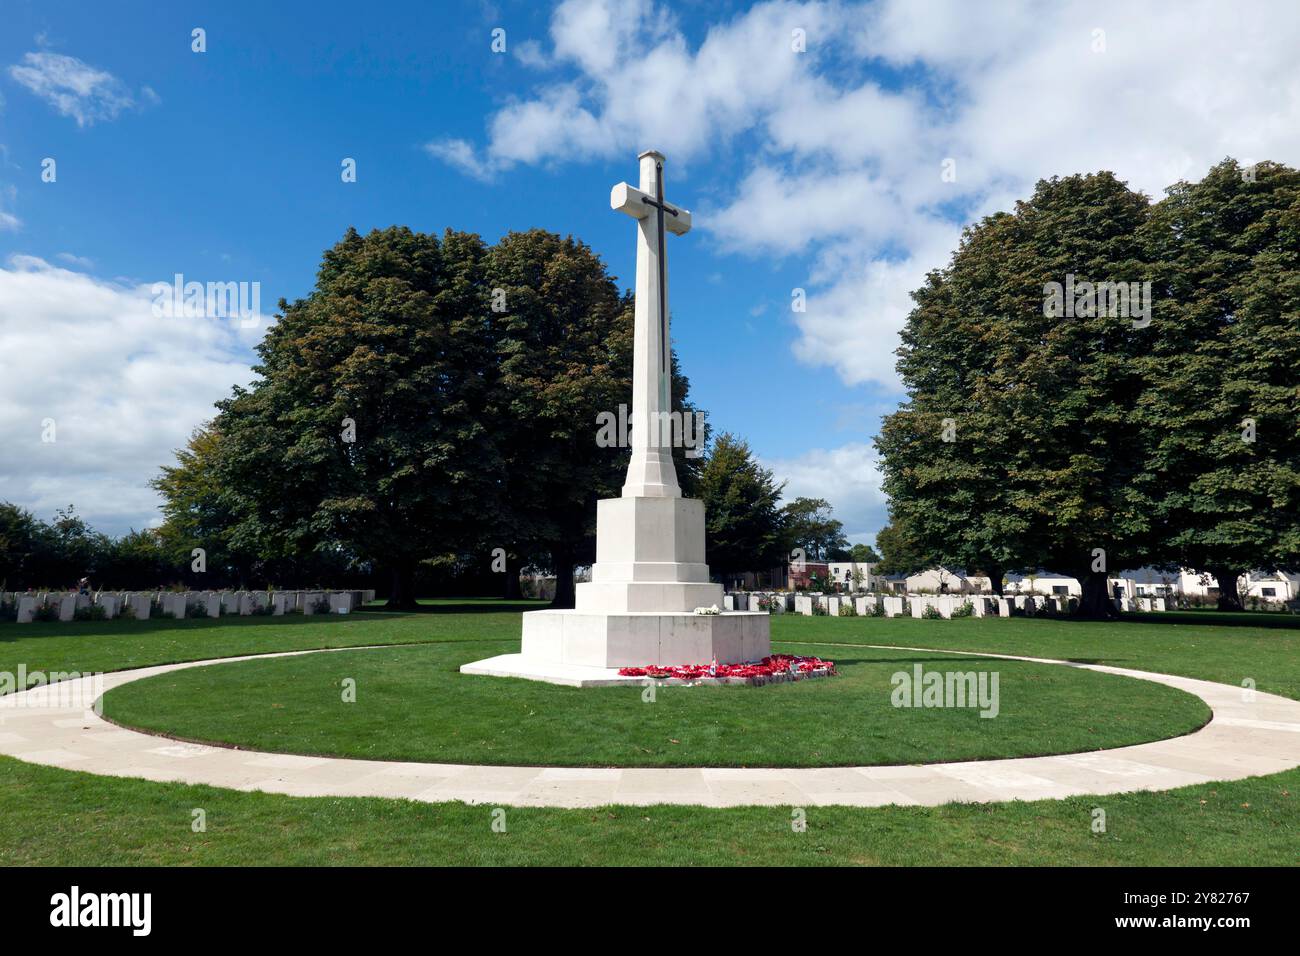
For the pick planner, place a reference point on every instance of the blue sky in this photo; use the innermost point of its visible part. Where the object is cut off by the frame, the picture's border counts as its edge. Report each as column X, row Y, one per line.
column 816, row 168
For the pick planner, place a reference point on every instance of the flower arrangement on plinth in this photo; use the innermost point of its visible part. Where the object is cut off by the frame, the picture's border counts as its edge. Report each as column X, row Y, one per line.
column 712, row 609
column 775, row 665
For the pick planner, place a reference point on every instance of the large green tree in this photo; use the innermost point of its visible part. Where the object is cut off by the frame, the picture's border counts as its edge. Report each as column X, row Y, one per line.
column 369, row 429
column 21, row 544
column 1018, row 445
column 811, row 527
column 744, row 529
column 1224, row 372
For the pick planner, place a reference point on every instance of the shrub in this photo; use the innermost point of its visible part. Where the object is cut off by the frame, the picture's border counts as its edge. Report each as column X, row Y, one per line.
column 320, row 606
column 875, row 609
column 847, row 609
column 127, row 612
column 819, row 609
column 931, row 613
column 197, row 609
column 967, row 609
column 765, row 603
column 91, row 612
column 45, row 611
column 9, row 611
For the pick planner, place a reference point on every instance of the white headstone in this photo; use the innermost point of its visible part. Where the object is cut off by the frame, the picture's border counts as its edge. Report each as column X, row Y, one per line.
column 140, row 606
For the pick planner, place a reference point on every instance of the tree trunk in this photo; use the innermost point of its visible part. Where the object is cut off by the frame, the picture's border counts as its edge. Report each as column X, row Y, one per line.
column 514, row 564
column 1096, row 602
column 1229, row 596
column 563, row 562
column 401, row 595
column 995, row 579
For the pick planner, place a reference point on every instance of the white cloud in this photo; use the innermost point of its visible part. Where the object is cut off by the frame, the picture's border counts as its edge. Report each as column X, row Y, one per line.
column 8, row 221
column 459, row 153
column 123, row 387
column 845, row 170
column 848, row 477
column 81, row 262
column 530, row 53
column 76, row 88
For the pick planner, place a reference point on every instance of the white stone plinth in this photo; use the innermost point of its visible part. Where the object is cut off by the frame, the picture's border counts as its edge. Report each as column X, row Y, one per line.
column 555, row 643
column 649, row 557
column 566, row 675
column 630, row 639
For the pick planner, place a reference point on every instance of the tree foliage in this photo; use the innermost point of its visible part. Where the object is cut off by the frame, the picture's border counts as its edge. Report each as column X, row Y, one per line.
column 744, row 524
column 1094, row 442
column 811, row 527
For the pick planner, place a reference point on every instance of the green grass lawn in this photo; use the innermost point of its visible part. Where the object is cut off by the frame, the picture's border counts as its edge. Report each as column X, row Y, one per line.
column 54, row 816
column 1264, row 647
column 412, row 704
column 122, row 645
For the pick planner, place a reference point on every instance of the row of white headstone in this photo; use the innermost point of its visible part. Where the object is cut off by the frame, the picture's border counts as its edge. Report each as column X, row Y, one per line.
column 142, row 605
column 914, row 605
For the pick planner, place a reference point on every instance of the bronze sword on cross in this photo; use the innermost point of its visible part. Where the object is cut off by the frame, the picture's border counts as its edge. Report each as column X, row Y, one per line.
column 640, row 203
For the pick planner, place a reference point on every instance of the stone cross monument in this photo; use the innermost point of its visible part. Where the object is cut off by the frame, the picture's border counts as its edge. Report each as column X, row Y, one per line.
column 650, row 575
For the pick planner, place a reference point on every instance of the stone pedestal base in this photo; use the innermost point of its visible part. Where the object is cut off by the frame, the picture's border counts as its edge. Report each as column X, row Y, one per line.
column 633, row 639
column 605, row 642
column 566, row 675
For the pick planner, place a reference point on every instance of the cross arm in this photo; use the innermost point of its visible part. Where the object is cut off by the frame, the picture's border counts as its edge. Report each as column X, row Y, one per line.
column 632, row 201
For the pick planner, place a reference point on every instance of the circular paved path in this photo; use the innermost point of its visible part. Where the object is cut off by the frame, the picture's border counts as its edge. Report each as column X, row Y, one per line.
column 49, row 725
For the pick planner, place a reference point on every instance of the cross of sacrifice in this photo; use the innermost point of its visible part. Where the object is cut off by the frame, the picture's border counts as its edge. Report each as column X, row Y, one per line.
column 639, row 204
column 650, row 469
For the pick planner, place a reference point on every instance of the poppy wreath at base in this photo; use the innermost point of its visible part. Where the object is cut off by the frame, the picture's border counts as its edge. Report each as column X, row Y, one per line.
column 777, row 667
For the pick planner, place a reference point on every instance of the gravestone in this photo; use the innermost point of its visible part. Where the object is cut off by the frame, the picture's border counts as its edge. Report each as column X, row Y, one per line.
column 26, row 608
column 139, row 605
column 895, row 605
column 68, row 607
column 650, row 572
column 309, row 601
column 341, row 602
column 919, row 602
column 110, row 604
column 281, row 601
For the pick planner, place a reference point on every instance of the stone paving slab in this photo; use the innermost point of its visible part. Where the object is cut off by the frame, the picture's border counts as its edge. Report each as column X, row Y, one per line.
column 1249, row 735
